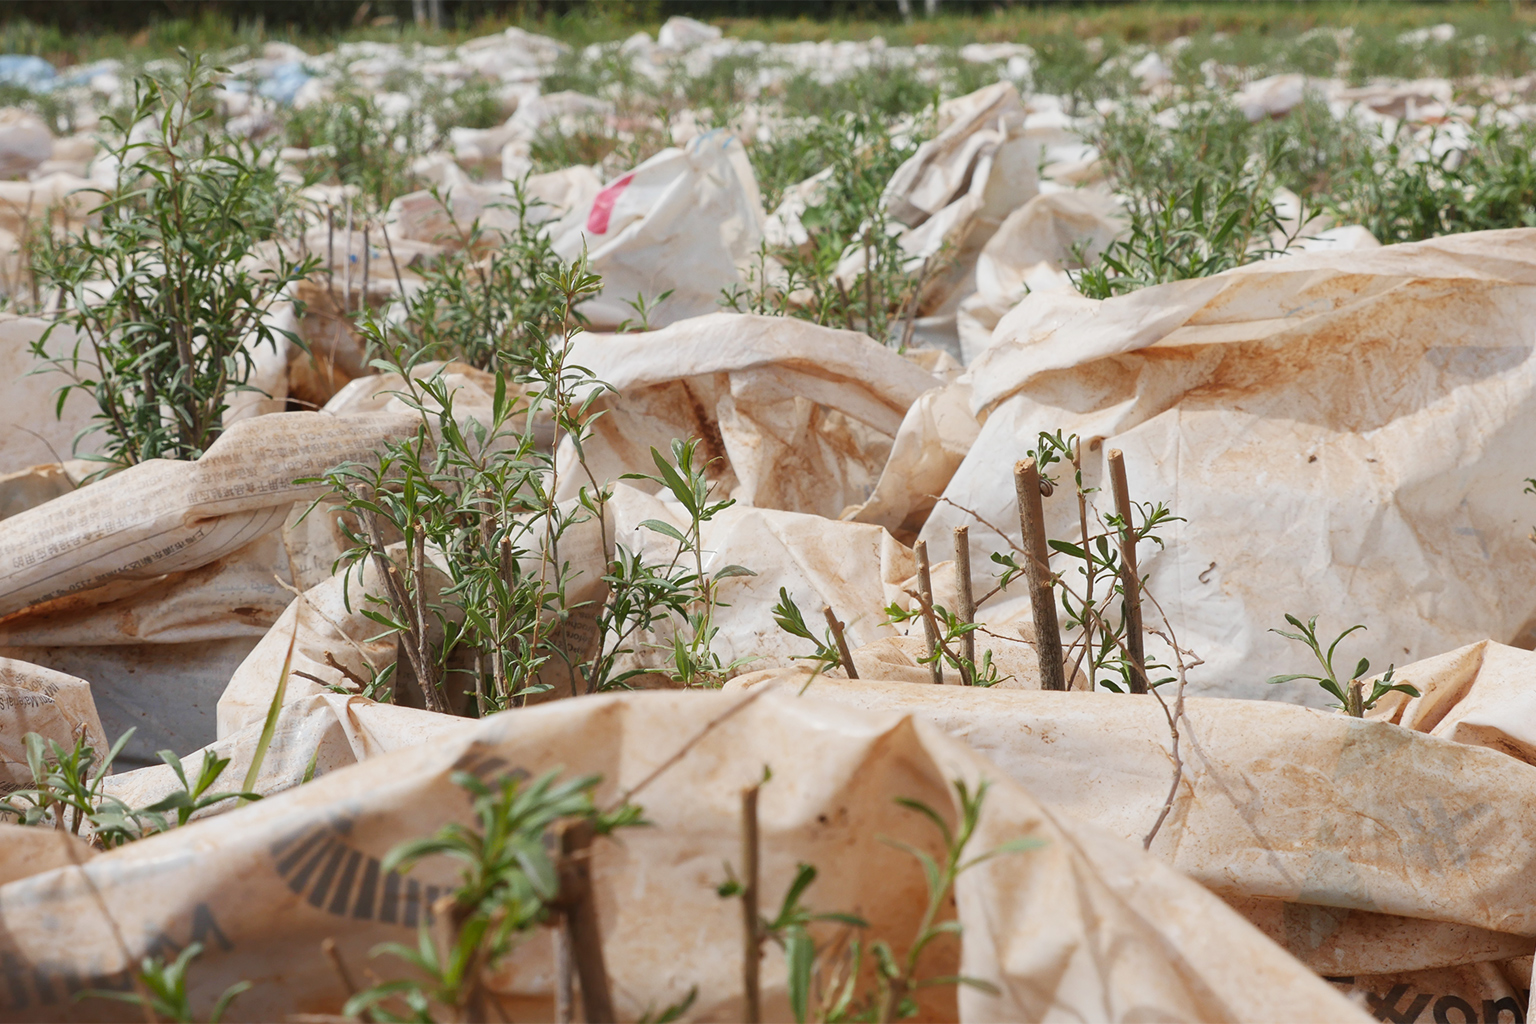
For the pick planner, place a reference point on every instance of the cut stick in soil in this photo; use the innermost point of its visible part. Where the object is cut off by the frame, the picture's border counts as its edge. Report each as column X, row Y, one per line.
column 967, row 598
column 346, row 302
column 363, row 303
column 752, row 939
column 330, row 252
column 1130, row 575
column 565, row 978
column 579, row 907
column 1037, row 568
column 842, row 643
column 930, row 626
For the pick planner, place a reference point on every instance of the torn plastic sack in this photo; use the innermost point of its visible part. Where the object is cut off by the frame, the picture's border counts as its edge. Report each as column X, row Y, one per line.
column 1339, row 431
column 792, row 415
column 1030, row 252
column 682, row 222
column 1281, row 811
column 164, row 516
column 56, row 706
column 933, row 439
column 952, row 194
column 155, row 583
column 422, row 217
column 25, row 142
column 33, row 430
column 265, row 884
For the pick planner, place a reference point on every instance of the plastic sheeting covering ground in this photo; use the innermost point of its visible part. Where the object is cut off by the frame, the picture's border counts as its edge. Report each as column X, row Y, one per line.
column 1377, row 856
column 156, row 582
column 1343, row 434
column 1129, row 939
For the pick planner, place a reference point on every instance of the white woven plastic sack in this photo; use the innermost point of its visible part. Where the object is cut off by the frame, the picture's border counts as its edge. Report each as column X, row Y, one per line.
column 1346, row 435
column 681, row 222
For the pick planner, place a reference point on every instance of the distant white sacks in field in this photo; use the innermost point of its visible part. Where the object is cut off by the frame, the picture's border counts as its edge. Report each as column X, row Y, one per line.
column 25, row 142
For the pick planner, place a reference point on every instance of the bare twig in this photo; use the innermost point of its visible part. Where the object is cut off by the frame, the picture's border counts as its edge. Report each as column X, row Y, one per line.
column 328, row 947
column 917, row 294
column 579, row 908
column 930, row 625
column 390, row 248
column 842, row 643
column 346, row 638
column 117, row 933
column 967, row 599
column 330, row 252
column 752, row 939
column 1130, row 578
column 1174, row 716
column 1082, row 523
column 346, row 302
column 367, row 261
column 1026, row 479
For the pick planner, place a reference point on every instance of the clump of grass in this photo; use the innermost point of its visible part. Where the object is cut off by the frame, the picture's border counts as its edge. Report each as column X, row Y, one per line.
column 1175, row 234
column 353, row 143
column 589, row 141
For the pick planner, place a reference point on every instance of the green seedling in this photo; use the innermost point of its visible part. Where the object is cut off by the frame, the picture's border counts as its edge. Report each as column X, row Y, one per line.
column 824, row 978
column 481, row 492
column 1348, row 693
column 790, row 619
column 952, row 629
column 685, row 478
column 494, row 300
column 68, row 793
column 507, row 883
column 899, row 979
column 163, row 990
column 163, row 291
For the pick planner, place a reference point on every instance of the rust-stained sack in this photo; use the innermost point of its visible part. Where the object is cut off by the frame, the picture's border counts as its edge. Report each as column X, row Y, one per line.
column 1126, row 939
column 1372, row 853
column 1342, row 432
column 56, row 706
column 799, row 416
column 164, row 516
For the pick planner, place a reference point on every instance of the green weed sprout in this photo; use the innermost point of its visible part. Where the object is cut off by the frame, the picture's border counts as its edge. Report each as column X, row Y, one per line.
column 792, row 621
column 192, row 796
column 507, row 883
column 67, row 792
column 164, row 989
column 898, row 980
column 1349, row 694
column 694, row 662
column 952, row 629
column 823, row 981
